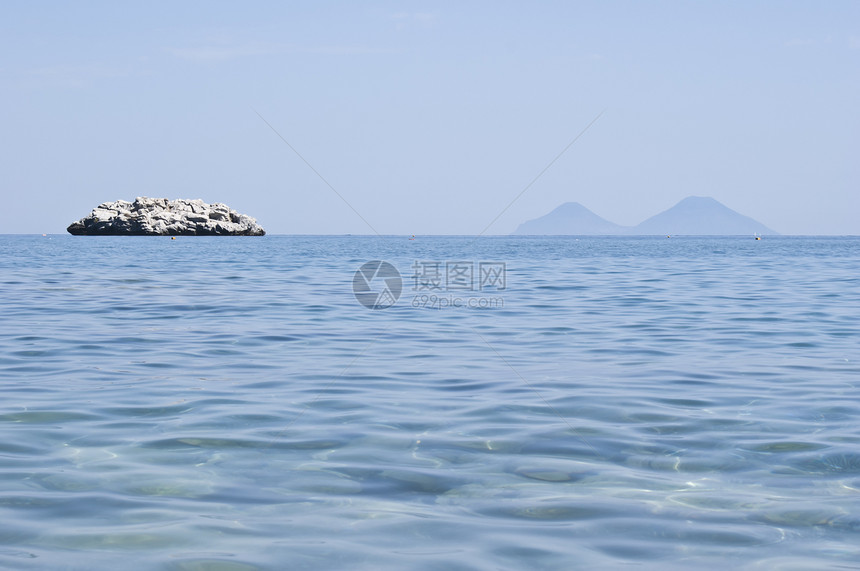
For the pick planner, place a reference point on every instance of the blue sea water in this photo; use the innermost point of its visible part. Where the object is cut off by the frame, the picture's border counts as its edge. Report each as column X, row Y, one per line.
column 227, row 403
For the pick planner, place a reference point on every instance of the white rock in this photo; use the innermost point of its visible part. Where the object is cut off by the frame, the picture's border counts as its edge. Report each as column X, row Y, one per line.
column 160, row 216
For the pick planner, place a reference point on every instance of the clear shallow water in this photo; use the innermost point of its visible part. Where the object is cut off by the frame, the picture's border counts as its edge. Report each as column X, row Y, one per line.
column 221, row 403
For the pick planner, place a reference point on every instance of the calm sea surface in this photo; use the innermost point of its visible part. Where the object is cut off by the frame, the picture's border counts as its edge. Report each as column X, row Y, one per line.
column 227, row 403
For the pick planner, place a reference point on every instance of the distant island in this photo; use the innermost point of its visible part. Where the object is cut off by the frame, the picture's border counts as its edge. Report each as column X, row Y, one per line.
column 163, row 217
column 695, row 215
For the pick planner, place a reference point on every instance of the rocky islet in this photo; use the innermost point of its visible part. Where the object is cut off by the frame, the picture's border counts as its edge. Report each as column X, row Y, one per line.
column 164, row 217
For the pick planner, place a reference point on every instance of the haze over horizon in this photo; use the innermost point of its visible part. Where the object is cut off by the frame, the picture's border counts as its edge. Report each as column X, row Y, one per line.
column 431, row 117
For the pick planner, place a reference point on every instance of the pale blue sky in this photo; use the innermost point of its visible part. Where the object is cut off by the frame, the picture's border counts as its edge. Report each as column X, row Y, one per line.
column 430, row 117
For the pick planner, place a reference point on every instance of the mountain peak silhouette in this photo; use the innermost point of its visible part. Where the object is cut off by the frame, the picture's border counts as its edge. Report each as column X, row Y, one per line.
column 570, row 218
column 694, row 215
column 700, row 215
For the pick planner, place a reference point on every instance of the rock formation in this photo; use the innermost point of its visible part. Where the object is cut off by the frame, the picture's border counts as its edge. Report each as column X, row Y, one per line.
column 163, row 217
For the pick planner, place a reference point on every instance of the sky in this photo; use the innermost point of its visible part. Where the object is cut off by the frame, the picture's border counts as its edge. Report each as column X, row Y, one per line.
column 324, row 117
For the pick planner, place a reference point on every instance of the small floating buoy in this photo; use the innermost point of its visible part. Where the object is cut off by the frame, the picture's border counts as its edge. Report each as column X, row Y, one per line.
column 173, row 237
column 758, row 237
column 668, row 236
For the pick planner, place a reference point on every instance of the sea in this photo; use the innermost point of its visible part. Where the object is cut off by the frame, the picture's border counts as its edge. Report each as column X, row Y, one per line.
column 454, row 402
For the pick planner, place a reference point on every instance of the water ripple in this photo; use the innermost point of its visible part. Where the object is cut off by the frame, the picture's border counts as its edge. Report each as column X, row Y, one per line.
column 226, row 404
